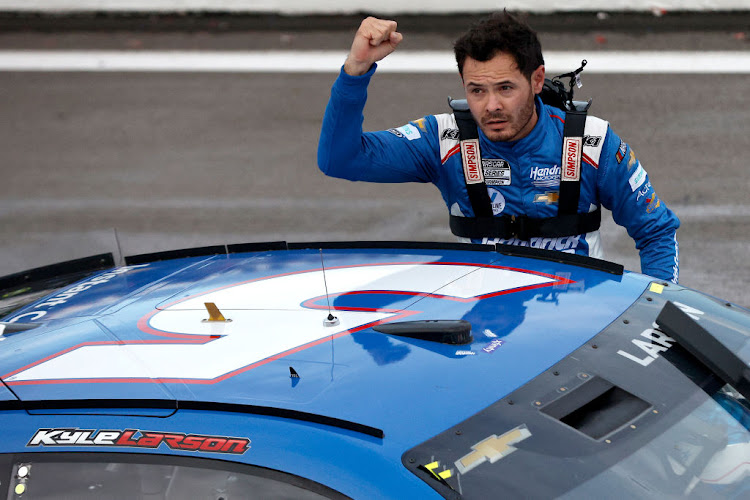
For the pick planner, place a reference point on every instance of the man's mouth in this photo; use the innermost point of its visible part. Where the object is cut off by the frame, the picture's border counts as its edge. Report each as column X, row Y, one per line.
column 495, row 122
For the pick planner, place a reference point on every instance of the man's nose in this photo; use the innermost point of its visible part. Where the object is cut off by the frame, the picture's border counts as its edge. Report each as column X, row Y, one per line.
column 494, row 103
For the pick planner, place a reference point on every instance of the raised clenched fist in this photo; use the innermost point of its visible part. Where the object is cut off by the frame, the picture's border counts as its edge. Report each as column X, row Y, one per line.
column 374, row 40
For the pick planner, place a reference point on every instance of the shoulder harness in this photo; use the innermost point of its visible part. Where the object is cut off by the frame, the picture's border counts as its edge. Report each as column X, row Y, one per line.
column 568, row 221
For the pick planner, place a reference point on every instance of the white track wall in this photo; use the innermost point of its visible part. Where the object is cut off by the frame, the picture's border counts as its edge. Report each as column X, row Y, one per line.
column 379, row 6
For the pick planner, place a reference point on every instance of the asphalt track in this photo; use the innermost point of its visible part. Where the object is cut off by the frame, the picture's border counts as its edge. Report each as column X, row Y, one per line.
column 134, row 162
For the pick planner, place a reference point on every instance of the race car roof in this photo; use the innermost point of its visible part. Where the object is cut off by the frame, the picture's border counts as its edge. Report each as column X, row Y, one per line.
column 143, row 333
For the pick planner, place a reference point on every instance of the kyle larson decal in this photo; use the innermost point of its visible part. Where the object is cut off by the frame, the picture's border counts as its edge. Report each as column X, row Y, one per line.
column 134, row 438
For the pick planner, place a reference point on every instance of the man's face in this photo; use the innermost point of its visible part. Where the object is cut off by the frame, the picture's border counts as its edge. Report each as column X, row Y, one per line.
column 500, row 98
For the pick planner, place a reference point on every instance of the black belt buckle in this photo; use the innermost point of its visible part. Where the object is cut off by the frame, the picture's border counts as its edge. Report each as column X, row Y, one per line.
column 519, row 228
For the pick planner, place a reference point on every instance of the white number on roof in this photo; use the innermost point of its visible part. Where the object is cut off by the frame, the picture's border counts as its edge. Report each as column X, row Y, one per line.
column 271, row 317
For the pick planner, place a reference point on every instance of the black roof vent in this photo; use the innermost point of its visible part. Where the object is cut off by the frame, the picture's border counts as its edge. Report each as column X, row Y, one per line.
column 443, row 331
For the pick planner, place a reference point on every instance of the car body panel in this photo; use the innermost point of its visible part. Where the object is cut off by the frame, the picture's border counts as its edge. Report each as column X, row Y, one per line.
column 332, row 401
column 317, row 452
column 105, row 355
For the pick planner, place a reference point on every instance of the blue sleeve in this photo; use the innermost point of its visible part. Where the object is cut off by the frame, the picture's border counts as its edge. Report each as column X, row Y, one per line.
column 404, row 154
column 626, row 190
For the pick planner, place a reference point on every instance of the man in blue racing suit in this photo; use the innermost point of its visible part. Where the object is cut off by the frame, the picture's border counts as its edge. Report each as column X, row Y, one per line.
column 519, row 162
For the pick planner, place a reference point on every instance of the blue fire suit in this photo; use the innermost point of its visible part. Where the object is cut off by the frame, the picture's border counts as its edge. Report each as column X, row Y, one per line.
column 522, row 177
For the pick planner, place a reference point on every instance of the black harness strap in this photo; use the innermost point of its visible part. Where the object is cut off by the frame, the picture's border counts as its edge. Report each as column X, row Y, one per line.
column 472, row 159
column 570, row 176
column 525, row 228
column 568, row 222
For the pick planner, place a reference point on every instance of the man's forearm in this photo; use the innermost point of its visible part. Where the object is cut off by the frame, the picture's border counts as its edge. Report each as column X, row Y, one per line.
column 660, row 258
column 341, row 132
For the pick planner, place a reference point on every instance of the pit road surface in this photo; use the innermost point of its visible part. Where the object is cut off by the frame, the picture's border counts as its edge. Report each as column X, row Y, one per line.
column 175, row 160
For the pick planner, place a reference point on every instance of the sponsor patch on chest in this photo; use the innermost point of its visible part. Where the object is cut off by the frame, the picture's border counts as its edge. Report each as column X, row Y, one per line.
column 497, row 200
column 496, row 172
column 545, row 176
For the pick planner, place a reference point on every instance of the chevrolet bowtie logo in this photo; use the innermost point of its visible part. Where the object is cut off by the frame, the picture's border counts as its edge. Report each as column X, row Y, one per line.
column 493, row 449
column 548, row 197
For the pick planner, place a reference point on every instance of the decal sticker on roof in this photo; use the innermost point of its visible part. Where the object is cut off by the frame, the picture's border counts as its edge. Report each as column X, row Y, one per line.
column 272, row 317
column 492, row 346
column 656, row 288
column 434, row 469
column 134, row 438
column 492, row 449
column 64, row 296
column 657, row 341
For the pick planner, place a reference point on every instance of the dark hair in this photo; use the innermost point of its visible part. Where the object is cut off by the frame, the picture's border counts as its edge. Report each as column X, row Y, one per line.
column 501, row 32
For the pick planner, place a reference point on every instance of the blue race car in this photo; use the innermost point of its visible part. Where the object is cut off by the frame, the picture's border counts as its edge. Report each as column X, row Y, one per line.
column 368, row 370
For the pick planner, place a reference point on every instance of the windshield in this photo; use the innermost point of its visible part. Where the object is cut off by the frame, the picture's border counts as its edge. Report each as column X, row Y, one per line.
column 704, row 455
column 132, row 477
column 631, row 412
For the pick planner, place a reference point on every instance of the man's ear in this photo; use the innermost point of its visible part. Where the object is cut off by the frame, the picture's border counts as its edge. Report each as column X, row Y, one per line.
column 537, row 79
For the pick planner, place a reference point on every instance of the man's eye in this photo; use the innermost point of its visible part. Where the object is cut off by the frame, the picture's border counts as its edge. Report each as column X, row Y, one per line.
column 476, row 91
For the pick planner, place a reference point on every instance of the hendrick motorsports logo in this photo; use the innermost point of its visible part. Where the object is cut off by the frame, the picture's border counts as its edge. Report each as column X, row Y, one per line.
column 134, row 438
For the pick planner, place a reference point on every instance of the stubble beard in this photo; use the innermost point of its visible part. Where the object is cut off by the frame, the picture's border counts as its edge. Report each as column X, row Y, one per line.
column 517, row 123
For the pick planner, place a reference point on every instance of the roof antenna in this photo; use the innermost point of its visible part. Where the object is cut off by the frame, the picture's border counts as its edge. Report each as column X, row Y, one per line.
column 120, row 257
column 330, row 320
